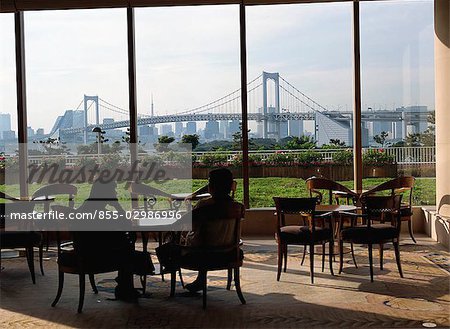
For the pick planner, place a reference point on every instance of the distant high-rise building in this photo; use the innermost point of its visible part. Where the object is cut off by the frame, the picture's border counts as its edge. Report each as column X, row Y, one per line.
column 327, row 128
column 5, row 122
column 166, row 130
column 179, row 129
column 224, row 128
column 30, row 132
column 233, row 128
column 295, row 127
column 212, row 130
column 191, row 128
column 9, row 135
column 40, row 132
column 70, row 119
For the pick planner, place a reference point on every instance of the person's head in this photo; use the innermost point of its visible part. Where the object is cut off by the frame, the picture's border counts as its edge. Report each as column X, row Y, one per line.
column 220, row 182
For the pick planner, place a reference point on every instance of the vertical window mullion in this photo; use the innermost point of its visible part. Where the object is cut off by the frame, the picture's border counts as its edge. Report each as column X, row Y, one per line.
column 244, row 109
column 22, row 123
column 357, row 130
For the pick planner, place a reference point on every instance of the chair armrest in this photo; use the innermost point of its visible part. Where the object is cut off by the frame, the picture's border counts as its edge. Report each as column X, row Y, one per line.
column 351, row 214
column 327, row 214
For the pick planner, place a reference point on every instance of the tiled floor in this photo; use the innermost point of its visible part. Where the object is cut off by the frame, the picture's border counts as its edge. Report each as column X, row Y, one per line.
column 347, row 300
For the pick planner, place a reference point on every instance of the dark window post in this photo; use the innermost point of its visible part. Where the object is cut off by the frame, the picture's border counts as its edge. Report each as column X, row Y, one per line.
column 21, row 103
column 244, row 104
column 357, row 140
column 132, row 84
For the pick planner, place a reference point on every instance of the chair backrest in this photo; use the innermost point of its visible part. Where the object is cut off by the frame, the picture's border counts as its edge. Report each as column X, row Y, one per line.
column 58, row 189
column 315, row 184
column 148, row 193
column 397, row 185
column 293, row 206
column 382, row 208
column 14, row 205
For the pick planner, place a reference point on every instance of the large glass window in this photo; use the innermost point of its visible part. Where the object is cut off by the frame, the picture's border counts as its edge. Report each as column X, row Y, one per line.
column 8, row 99
column 188, row 84
column 8, row 105
column 77, row 68
column 300, row 97
column 397, row 65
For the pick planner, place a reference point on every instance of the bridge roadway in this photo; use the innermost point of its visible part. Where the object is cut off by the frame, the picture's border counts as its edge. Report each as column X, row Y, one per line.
column 271, row 117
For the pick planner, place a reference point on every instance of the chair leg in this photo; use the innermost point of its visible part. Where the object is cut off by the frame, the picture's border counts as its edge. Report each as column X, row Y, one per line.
column 237, row 282
column 410, row 229
column 323, row 257
column 41, row 257
column 82, row 280
column 143, row 279
column 304, row 254
column 397, row 258
column 381, row 256
column 181, row 278
column 341, row 255
column 280, row 259
column 60, row 287
column 229, row 278
column 311, row 262
column 285, row 252
column 30, row 260
column 92, row 282
column 173, row 281
column 330, row 256
column 203, row 275
column 353, row 255
column 370, row 262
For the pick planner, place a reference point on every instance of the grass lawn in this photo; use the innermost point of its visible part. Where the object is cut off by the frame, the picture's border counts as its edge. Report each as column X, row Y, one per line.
column 262, row 190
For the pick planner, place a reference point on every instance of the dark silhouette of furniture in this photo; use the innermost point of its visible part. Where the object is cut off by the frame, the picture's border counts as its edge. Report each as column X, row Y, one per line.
column 73, row 259
column 46, row 195
column 401, row 185
column 336, row 191
column 22, row 238
column 381, row 218
column 212, row 255
column 144, row 198
column 319, row 229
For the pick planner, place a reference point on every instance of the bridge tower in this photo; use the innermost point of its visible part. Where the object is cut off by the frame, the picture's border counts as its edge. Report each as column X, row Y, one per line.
column 275, row 77
column 97, row 115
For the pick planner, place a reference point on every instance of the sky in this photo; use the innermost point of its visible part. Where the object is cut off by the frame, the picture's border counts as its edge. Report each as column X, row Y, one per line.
column 189, row 56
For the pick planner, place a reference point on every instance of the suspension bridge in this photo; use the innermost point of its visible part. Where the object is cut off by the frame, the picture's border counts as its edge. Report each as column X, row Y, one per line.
column 272, row 101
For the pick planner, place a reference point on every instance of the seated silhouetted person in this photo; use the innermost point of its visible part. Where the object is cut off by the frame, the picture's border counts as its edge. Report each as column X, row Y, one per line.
column 219, row 206
column 113, row 243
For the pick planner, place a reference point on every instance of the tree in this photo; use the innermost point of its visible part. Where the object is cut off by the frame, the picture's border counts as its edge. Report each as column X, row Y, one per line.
column 237, row 139
column 302, row 142
column 381, row 138
column 53, row 146
column 337, row 143
column 191, row 139
column 163, row 143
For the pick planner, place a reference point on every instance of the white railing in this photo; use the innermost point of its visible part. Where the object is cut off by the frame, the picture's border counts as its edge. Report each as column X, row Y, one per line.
column 402, row 155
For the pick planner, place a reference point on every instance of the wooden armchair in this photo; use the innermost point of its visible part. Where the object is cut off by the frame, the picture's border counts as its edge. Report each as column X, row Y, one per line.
column 18, row 239
column 306, row 235
column 46, row 195
column 334, row 189
column 380, row 209
column 213, row 255
column 74, row 258
column 404, row 186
